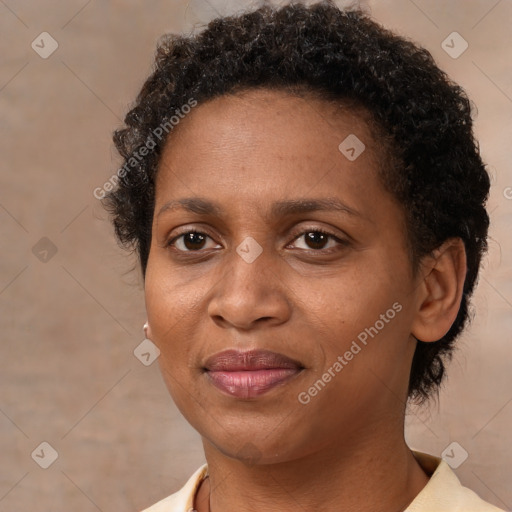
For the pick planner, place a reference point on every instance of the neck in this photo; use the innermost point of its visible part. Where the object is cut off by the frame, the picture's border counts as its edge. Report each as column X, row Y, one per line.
column 366, row 477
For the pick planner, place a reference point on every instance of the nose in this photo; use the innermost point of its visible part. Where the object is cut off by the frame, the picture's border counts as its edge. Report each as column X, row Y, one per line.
column 251, row 292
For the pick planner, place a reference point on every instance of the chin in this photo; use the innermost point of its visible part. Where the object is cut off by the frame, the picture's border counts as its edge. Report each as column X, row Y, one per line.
column 258, row 448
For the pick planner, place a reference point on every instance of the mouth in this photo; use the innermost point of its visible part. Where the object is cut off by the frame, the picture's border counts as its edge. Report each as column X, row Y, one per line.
column 250, row 374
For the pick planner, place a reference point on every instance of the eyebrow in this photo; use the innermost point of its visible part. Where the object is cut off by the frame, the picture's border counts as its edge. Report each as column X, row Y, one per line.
column 203, row 206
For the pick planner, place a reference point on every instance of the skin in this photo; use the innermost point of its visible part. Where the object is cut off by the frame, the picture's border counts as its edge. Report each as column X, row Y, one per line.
column 345, row 449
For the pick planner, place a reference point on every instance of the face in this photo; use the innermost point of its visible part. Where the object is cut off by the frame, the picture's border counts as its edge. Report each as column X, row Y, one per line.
column 271, row 243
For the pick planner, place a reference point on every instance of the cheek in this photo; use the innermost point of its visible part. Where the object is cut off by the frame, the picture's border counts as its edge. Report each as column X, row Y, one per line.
column 169, row 313
column 360, row 313
column 351, row 298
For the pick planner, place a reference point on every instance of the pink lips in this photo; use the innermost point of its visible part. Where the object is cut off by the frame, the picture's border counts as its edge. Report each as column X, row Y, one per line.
column 249, row 374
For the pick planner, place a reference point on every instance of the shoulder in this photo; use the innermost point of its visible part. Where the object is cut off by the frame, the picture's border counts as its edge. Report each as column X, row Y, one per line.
column 444, row 492
column 182, row 500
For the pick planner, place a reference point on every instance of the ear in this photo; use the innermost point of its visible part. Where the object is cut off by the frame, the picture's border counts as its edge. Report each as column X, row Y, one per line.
column 440, row 291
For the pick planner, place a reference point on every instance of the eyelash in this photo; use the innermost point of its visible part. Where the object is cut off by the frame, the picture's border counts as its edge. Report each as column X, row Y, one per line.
column 341, row 242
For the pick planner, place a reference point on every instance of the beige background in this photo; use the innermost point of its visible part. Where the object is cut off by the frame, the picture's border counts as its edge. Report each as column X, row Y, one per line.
column 69, row 325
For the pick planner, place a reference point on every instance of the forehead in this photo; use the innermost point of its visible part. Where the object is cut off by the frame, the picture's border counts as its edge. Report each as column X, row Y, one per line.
column 252, row 115
column 267, row 142
column 272, row 108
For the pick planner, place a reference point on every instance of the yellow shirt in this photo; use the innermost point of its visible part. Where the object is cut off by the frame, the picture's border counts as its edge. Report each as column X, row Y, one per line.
column 443, row 492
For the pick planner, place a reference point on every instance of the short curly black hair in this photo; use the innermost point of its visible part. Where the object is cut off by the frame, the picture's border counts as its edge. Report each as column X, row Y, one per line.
column 436, row 172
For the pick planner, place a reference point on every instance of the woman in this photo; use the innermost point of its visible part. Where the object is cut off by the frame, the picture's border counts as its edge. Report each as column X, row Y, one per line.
column 310, row 234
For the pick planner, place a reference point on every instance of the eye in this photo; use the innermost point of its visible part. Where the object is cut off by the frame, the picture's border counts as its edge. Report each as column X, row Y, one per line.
column 190, row 241
column 316, row 240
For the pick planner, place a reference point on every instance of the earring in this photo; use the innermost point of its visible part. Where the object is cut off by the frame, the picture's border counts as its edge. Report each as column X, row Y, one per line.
column 145, row 327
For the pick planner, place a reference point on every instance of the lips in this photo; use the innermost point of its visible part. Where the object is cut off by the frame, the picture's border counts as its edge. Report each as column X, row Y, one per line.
column 251, row 373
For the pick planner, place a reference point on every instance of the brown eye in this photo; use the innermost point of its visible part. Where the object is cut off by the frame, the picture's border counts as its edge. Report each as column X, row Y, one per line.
column 193, row 241
column 190, row 241
column 317, row 239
